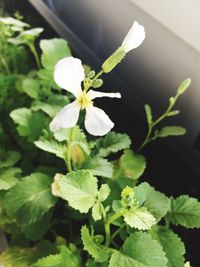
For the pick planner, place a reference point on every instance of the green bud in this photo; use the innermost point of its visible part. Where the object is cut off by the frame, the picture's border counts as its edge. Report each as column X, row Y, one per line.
column 98, row 83
column 113, row 60
column 183, row 86
column 127, row 197
column 91, row 74
column 87, row 82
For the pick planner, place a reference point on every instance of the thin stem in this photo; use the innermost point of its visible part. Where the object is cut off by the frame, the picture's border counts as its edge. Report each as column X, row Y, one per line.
column 107, row 226
column 117, row 231
column 69, row 150
column 3, row 61
column 94, row 79
column 34, row 51
column 165, row 114
column 107, row 230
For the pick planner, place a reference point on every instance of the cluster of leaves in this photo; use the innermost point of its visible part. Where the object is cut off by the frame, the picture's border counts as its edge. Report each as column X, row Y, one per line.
column 51, row 182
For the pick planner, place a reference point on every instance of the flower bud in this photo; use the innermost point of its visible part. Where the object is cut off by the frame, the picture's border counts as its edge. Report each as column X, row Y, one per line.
column 113, row 60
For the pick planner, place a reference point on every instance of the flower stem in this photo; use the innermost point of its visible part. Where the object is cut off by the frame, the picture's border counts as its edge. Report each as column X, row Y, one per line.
column 34, row 51
column 69, row 150
column 148, row 137
column 114, row 217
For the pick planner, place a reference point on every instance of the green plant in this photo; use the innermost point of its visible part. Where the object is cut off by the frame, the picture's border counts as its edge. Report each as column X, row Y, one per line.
column 77, row 200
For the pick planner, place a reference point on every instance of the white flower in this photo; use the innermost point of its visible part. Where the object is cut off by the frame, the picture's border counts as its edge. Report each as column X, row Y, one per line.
column 69, row 74
column 134, row 37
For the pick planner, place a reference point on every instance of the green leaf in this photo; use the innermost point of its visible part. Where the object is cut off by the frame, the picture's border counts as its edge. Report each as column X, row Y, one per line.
column 132, row 165
column 52, row 105
column 29, row 35
column 148, row 114
column 52, row 51
column 118, row 260
column 68, row 257
column 30, row 124
column 170, row 131
column 139, row 250
column 30, row 199
column 111, row 143
column 157, row 203
column 26, row 257
column 97, row 251
column 31, row 87
column 97, row 211
column 52, row 147
column 36, row 231
column 139, row 218
column 103, row 193
column 183, row 86
column 185, row 211
column 98, row 166
column 8, row 158
column 13, row 22
column 79, row 189
column 172, row 246
column 9, row 178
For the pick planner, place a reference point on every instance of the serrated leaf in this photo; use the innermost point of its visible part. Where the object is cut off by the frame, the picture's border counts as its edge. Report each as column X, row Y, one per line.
column 118, row 260
column 172, row 246
column 35, row 231
column 52, row 51
column 98, row 252
column 50, row 261
column 170, row 131
column 31, row 87
column 157, row 203
column 98, row 166
column 139, row 218
column 30, row 124
column 9, row 178
column 8, row 158
column 111, row 143
column 66, row 258
column 132, row 165
column 139, row 250
column 30, row 199
column 79, row 189
column 148, row 114
column 52, row 147
column 185, row 211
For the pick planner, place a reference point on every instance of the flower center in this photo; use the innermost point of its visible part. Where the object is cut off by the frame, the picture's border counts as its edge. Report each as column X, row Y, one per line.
column 84, row 101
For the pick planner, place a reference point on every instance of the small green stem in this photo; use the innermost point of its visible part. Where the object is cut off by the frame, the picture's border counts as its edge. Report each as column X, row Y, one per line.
column 3, row 61
column 69, row 150
column 165, row 114
column 34, row 51
column 117, row 231
column 94, row 79
column 107, row 226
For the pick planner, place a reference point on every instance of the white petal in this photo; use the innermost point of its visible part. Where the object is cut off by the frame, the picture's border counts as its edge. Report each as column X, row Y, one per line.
column 97, row 121
column 134, row 37
column 94, row 94
column 66, row 118
column 69, row 74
